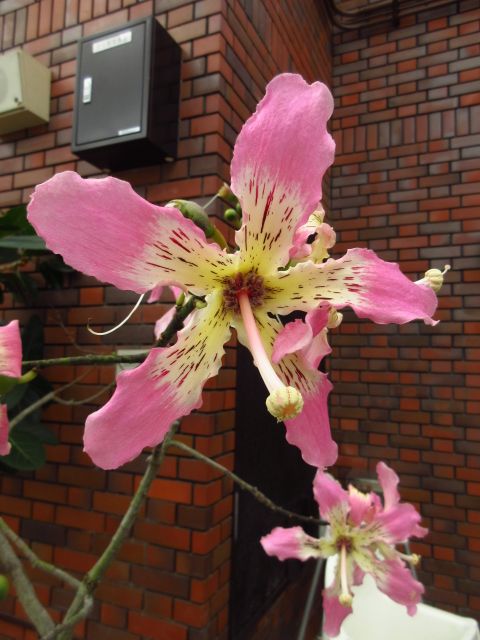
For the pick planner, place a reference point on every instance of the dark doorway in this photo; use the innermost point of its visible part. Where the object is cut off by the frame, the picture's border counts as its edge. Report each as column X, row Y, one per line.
column 265, row 459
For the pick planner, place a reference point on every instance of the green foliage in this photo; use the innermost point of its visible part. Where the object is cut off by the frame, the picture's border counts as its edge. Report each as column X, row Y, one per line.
column 18, row 245
column 29, row 436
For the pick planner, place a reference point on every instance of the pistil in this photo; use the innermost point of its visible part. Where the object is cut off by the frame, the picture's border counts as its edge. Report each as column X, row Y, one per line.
column 284, row 403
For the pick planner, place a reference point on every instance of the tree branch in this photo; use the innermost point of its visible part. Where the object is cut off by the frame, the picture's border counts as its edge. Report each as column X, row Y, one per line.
column 93, row 577
column 33, row 608
column 173, row 327
column 34, row 560
column 243, row 484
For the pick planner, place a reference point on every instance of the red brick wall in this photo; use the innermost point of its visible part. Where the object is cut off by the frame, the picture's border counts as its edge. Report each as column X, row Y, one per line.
column 406, row 183
column 172, row 578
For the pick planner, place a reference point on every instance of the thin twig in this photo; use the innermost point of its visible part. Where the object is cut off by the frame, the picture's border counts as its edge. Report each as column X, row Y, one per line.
column 113, row 358
column 68, row 626
column 257, row 494
column 93, row 577
column 87, row 400
column 37, row 613
column 43, row 400
column 34, row 560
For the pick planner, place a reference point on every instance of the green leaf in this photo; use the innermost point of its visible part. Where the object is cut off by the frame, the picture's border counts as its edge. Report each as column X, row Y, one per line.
column 30, row 243
column 15, row 396
column 27, row 451
column 32, row 339
column 14, row 221
column 37, row 430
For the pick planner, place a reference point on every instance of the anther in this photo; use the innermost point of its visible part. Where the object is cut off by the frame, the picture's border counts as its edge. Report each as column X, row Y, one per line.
column 285, row 403
column 434, row 278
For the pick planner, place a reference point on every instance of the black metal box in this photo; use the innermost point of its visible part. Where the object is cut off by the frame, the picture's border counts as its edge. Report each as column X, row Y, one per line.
column 127, row 96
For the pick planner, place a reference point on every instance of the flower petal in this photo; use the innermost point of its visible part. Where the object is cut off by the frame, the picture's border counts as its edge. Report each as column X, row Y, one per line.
column 5, row 445
column 167, row 386
column 360, row 505
column 310, row 430
column 105, row 229
column 374, row 288
column 278, row 163
column 400, row 523
column 334, row 613
column 308, row 338
column 397, row 583
column 292, row 542
column 294, row 336
column 389, row 482
column 331, row 498
column 162, row 323
column 10, row 350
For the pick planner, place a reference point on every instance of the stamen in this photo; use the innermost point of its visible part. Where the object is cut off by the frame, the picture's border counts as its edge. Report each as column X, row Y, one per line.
column 126, row 319
column 434, row 278
column 284, row 403
column 345, row 597
column 412, row 559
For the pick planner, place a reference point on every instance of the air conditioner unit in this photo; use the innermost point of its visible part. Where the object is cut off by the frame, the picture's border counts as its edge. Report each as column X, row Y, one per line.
column 24, row 92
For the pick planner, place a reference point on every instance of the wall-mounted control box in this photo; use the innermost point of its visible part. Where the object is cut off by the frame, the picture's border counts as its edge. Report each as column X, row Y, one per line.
column 127, row 96
column 24, row 92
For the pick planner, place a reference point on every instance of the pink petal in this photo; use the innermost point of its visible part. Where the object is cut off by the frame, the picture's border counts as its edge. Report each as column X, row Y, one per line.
column 156, row 293
column 389, row 482
column 163, row 322
column 167, row 386
column 397, row 582
column 10, row 350
column 308, row 338
column 300, row 248
column 334, row 613
column 374, row 288
column 360, row 505
column 294, row 336
column 103, row 228
column 279, row 160
column 332, row 499
column 314, row 353
column 400, row 523
column 310, row 431
column 289, row 543
column 5, row 445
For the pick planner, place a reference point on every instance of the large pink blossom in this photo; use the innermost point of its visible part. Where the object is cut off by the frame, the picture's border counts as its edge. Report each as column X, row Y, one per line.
column 10, row 367
column 363, row 533
column 103, row 228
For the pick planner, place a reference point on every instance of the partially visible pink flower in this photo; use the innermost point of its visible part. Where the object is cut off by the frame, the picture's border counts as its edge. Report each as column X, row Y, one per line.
column 5, row 445
column 10, row 367
column 363, row 534
column 324, row 239
column 103, row 228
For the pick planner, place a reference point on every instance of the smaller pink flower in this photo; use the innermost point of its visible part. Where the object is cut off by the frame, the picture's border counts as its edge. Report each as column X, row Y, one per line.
column 363, row 533
column 10, row 367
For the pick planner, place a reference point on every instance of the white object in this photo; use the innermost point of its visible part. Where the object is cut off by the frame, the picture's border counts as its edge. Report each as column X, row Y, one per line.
column 376, row 617
column 24, row 91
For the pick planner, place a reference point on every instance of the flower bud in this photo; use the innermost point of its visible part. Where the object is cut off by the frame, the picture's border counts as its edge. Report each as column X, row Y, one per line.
column 195, row 213
column 226, row 194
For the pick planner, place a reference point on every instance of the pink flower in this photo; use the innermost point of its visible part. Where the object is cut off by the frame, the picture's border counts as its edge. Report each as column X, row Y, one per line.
column 363, row 534
column 10, row 367
column 103, row 228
